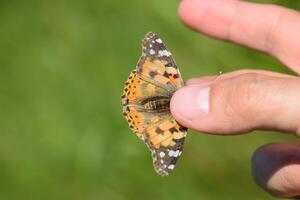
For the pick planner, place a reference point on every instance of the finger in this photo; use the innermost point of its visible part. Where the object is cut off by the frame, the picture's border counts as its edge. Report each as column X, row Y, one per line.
column 268, row 28
column 206, row 79
column 240, row 104
column 276, row 168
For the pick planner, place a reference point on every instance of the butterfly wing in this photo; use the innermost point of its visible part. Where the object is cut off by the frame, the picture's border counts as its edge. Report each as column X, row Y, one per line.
column 136, row 91
column 167, row 147
column 157, row 62
column 146, row 98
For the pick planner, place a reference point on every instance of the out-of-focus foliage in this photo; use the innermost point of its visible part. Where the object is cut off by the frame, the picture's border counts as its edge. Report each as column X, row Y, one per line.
column 62, row 135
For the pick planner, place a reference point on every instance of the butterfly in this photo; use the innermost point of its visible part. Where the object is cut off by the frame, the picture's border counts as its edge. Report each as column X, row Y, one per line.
column 146, row 103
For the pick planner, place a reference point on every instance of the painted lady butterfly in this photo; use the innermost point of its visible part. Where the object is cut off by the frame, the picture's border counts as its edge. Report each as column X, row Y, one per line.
column 146, row 104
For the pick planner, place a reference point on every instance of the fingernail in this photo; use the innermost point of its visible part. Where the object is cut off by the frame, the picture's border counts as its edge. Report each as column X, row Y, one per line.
column 191, row 102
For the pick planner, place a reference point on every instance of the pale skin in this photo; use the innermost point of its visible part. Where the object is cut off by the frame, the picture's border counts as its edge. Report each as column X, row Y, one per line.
column 245, row 100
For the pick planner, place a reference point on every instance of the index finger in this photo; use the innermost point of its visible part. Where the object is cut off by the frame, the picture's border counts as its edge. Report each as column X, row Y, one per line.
column 269, row 28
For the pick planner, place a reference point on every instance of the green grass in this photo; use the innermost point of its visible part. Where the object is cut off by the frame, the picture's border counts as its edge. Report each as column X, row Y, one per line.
column 62, row 134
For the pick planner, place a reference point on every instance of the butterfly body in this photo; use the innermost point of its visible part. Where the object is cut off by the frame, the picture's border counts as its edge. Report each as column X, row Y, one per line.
column 146, row 104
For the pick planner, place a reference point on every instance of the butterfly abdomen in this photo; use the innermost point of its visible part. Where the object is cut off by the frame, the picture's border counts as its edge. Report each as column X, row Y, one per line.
column 157, row 104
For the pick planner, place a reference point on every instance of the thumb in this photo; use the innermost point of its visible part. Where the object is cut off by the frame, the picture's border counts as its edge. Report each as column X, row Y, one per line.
column 239, row 102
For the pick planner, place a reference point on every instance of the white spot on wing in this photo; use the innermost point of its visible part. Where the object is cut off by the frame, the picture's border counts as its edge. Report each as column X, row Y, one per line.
column 152, row 52
column 174, row 153
column 164, row 53
column 171, row 153
column 162, row 154
column 171, row 166
column 158, row 40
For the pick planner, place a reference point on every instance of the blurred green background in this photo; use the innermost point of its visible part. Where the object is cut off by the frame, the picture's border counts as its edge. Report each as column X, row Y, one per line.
column 62, row 134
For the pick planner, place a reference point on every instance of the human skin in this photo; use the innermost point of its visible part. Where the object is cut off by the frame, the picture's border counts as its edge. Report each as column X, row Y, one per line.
column 245, row 100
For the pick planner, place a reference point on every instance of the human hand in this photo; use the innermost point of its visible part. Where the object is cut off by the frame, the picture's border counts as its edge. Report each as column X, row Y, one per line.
column 247, row 100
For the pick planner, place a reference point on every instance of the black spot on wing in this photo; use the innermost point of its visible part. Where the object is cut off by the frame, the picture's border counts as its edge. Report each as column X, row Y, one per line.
column 166, row 74
column 159, row 131
column 173, row 130
column 153, row 74
column 179, row 141
column 171, row 64
column 175, row 76
column 183, row 129
column 125, row 101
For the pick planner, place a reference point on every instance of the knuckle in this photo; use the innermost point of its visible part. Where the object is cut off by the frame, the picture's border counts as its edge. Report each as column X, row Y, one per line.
column 245, row 97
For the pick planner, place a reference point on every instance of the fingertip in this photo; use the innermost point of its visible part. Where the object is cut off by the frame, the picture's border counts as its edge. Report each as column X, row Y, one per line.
column 276, row 168
column 262, row 166
column 175, row 100
column 190, row 104
column 210, row 17
column 192, row 11
column 187, row 14
column 269, row 28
